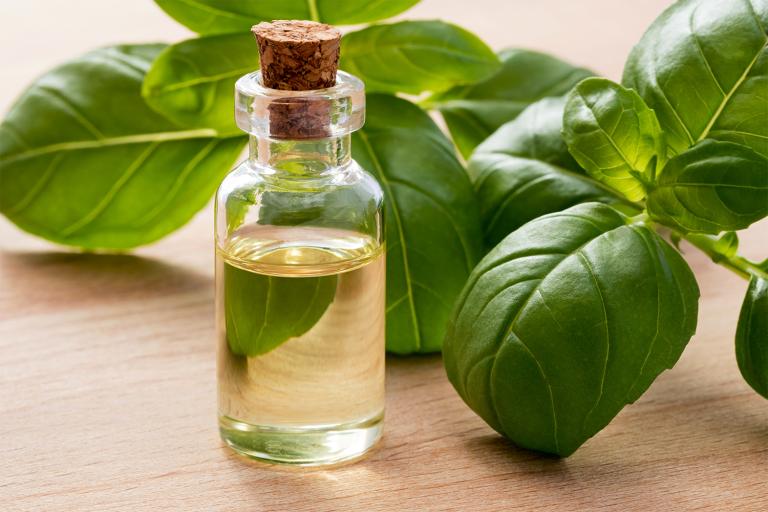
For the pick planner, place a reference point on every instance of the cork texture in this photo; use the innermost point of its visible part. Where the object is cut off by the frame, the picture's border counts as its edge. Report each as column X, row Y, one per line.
column 298, row 55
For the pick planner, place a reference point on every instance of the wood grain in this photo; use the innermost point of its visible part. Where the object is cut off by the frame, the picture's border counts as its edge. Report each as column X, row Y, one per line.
column 107, row 393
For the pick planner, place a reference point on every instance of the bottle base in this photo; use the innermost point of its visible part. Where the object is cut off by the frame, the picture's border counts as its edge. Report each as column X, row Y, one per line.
column 302, row 446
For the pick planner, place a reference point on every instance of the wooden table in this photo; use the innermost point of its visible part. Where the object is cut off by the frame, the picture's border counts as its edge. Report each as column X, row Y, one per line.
column 107, row 388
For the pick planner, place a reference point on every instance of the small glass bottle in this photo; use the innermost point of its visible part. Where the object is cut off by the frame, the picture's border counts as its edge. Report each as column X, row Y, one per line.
column 300, row 280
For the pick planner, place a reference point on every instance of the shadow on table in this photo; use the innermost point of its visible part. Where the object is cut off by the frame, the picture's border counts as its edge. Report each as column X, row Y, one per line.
column 74, row 278
column 701, row 421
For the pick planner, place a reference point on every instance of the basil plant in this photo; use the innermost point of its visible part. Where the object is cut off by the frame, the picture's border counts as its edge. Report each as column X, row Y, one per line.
column 581, row 303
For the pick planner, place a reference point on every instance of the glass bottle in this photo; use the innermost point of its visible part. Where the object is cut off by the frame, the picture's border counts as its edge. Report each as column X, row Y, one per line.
column 300, row 281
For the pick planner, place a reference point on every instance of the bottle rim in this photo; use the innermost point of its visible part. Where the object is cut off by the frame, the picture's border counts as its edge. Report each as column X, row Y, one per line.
column 341, row 107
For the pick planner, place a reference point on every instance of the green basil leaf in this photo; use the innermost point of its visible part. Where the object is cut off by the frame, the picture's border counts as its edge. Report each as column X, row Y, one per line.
column 702, row 66
column 227, row 16
column 191, row 82
column 535, row 134
column 613, row 134
column 713, row 187
column 473, row 112
column 85, row 162
column 416, row 56
column 524, row 171
column 433, row 229
column 547, row 345
column 752, row 336
column 262, row 312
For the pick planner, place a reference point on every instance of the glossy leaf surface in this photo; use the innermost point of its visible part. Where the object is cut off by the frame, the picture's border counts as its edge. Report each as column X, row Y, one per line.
column 613, row 134
column 702, row 66
column 192, row 82
column 546, row 343
column 433, row 229
column 712, row 187
column 752, row 336
column 473, row 112
column 85, row 162
column 262, row 312
column 524, row 170
column 416, row 56
column 228, row 16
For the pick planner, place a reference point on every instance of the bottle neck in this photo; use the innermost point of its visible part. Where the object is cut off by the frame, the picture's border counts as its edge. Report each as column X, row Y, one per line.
column 299, row 158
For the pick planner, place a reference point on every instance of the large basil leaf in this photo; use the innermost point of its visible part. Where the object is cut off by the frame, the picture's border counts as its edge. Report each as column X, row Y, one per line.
column 473, row 112
column 752, row 336
column 262, row 312
column 416, row 56
column 192, row 82
column 566, row 321
column 226, row 16
column 613, row 134
column 524, row 171
column 703, row 67
column 713, row 187
column 85, row 162
column 433, row 229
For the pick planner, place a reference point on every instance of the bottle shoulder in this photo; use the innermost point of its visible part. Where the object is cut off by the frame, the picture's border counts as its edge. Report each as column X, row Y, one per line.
column 367, row 182
column 348, row 199
column 304, row 183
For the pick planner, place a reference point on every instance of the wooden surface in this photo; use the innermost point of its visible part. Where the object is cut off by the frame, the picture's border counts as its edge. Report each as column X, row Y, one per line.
column 107, row 387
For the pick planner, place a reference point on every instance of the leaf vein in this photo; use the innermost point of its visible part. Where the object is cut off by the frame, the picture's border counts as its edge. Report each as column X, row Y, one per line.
column 399, row 226
column 593, row 276
column 444, row 210
column 111, row 141
column 111, row 193
column 730, row 93
column 36, row 189
column 73, row 110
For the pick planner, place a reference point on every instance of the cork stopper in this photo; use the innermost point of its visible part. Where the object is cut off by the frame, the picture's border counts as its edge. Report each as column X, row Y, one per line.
column 298, row 55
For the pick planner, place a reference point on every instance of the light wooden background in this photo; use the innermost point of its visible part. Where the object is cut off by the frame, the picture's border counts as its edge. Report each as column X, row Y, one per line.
column 107, row 390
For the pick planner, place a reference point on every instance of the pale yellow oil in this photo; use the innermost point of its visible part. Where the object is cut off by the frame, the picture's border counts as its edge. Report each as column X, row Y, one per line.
column 300, row 320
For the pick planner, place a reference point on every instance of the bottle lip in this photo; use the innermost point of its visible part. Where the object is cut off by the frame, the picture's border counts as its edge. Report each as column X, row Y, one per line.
column 334, row 111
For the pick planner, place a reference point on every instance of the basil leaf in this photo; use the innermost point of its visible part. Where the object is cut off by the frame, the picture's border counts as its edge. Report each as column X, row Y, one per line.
column 433, row 229
column 85, row 162
column 191, row 82
column 535, row 134
column 227, row 16
column 524, row 171
column 702, row 66
column 713, row 187
column 416, row 56
column 547, row 345
column 346, row 12
column 752, row 336
column 262, row 312
column 613, row 134
column 473, row 112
